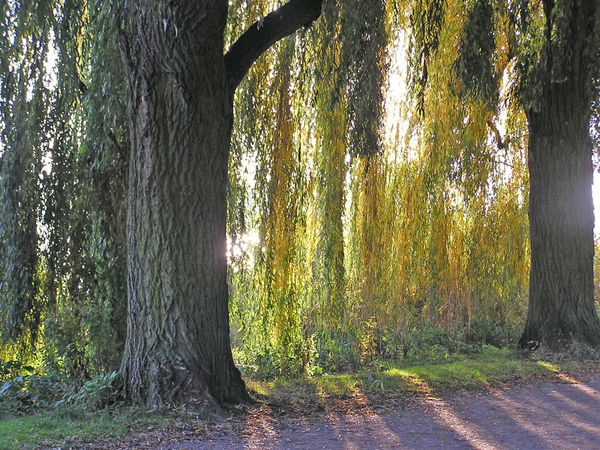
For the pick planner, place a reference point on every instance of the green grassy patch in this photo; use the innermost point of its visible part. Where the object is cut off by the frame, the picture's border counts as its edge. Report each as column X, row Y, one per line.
column 70, row 428
column 460, row 372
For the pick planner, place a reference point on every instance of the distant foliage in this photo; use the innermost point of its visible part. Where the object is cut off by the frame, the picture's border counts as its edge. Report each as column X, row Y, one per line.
column 408, row 242
column 63, row 181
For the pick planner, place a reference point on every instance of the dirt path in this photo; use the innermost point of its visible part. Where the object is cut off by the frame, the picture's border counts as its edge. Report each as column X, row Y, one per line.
column 542, row 415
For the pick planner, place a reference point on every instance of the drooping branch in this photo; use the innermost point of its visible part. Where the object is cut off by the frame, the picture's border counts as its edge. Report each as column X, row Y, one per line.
column 264, row 33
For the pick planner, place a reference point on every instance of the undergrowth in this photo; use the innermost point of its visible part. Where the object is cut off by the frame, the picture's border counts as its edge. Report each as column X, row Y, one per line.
column 339, row 351
column 391, row 379
column 48, row 410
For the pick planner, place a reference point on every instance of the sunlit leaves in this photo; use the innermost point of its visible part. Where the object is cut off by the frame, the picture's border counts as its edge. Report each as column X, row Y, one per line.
column 427, row 227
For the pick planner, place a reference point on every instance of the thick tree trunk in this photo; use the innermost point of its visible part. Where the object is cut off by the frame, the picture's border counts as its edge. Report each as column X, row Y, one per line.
column 561, row 216
column 178, row 348
column 181, row 107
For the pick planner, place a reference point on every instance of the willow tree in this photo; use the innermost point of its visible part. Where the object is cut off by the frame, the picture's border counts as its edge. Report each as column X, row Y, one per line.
column 554, row 45
column 181, row 107
column 330, row 155
column 558, row 60
column 62, row 155
column 364, row 57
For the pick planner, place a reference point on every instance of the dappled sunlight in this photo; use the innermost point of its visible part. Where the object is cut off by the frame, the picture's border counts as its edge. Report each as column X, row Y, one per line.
column 343, row 420
column 472, row 433
column 262, row 388
column 566, row 378
column 413, row 381
column 557, row 371
column 338, row 384
column 587, row 390
column 551, row 367
column 260, row 424
column 569, row 403
column 440, row 376
column 551, row 413
column 480, row 377
column 442, row 411
column 422, row 405
column 523, row 415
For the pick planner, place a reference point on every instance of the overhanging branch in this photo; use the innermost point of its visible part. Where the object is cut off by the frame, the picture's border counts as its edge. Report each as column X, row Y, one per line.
column 264, row 33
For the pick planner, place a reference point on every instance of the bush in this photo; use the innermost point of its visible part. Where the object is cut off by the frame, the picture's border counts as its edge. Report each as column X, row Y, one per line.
column 427, row 343
column 95, row 394
column 482, row 331
column 23, row 390
column 335, row 351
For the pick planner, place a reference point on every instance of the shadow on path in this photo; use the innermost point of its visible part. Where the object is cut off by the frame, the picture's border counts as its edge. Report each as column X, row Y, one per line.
column 543, row 415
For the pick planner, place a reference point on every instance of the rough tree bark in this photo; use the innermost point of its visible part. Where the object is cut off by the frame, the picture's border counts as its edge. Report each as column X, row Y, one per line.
column 561, row 220
column 181, row 107
column 561, row 215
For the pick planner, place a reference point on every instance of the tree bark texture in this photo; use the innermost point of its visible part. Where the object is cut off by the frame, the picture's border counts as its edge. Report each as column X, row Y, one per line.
column 181, row 108
column 178, row 348
column 561, row 211
column 561, row 220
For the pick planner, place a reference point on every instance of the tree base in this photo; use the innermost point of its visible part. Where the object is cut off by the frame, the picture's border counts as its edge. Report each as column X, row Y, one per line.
column 560, row 337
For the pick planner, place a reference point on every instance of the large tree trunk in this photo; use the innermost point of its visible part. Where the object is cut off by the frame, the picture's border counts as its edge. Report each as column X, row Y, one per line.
column 178, row 348
column 181, row 107
column 561, row 216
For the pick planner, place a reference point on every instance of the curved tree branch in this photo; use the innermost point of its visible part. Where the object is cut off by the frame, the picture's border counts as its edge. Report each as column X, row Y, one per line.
column 264, row 33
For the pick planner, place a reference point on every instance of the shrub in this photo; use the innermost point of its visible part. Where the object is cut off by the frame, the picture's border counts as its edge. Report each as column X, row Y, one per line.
column 95, row 394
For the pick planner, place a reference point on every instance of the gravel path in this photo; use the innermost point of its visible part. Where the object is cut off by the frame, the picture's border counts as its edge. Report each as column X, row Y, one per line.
column 542, row 415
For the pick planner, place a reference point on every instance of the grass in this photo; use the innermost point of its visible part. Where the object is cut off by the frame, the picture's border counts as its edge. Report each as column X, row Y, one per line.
column 68, row 428
column 378, row 383
column 462, row 372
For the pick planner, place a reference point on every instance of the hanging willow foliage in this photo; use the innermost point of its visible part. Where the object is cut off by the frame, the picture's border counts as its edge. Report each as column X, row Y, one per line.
column 24, row 98
column 328, row 292
column 344, row 236
column 64, row 158
column 468, row 167
column 265, row 286
column 280, row 299
column 426, row 21
column 365, row 47
column 474, row 65
column 427, row 226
